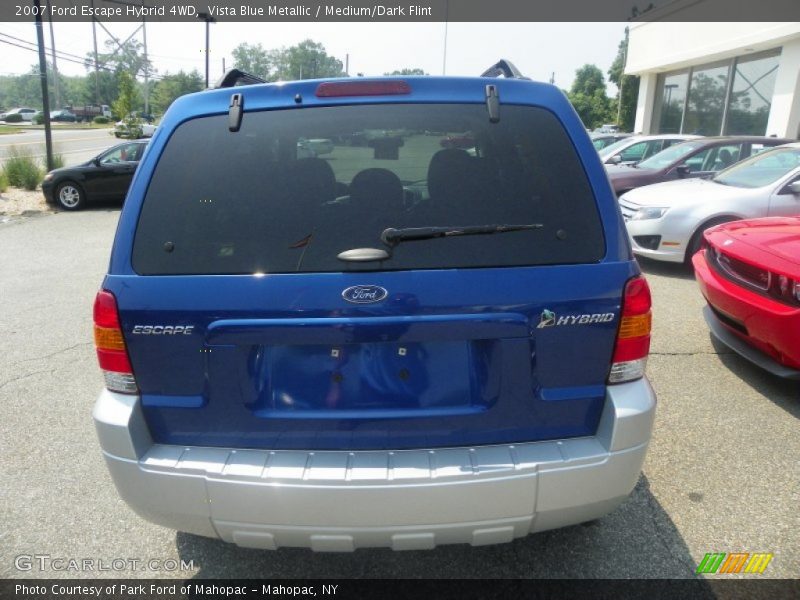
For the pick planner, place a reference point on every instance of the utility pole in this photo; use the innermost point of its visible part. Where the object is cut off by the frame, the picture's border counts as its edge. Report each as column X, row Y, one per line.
column 622, row 78
column 96, row 67
column 208, row 19
column 146, row 66
column 347, row 64
column 48, row 140
column 444, row 54
column 53, row 58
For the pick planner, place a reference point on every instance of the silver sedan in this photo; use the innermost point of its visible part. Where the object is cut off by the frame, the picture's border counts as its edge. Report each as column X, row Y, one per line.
column 665, row 221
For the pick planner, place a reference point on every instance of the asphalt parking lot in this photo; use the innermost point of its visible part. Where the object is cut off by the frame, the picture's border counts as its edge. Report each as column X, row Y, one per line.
column 722, row 473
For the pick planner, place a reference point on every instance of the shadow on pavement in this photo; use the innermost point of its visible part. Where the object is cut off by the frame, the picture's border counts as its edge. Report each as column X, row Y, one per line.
column 667, row 269
column 638, row 540
column 784, row 393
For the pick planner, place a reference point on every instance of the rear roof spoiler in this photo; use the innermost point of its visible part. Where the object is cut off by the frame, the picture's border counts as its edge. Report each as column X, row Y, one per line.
column 234, row 77
column 505, row 68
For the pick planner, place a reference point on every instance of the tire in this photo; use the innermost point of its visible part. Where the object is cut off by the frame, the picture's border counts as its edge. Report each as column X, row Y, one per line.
column 697, row 239
column 70, row 196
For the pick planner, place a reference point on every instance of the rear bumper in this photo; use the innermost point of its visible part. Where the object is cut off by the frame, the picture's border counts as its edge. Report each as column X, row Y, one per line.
column 406, row 499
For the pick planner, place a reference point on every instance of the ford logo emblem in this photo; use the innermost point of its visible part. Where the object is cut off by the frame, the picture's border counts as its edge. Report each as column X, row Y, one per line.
column 364, row 294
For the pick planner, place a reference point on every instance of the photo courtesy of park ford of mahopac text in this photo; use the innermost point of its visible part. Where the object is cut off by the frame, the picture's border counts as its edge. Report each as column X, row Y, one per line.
column 399, row 299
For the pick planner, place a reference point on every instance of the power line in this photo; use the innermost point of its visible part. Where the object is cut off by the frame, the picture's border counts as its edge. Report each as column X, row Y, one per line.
column 79, row 61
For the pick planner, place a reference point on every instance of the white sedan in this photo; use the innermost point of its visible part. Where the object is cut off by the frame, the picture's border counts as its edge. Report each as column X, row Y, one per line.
column 666, row 221
column 121, row 130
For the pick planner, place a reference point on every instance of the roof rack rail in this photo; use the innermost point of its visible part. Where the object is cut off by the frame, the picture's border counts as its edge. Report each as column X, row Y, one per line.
column 505, row 68
column 234, row 77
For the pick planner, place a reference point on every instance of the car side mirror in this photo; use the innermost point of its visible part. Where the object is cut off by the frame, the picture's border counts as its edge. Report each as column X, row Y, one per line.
column 794, row 188
column 96, row 162
column 615, row 160
column 682, row 170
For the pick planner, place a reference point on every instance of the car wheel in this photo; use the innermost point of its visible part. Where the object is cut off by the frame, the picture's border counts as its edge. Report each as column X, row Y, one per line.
column 697, row 239
column 70, row 196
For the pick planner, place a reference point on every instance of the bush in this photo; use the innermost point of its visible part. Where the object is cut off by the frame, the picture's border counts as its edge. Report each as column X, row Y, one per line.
column 14, row 118
column 21, row 169
column 101, row 120
column 58, row 161
column 38, row 119
column 3, row 182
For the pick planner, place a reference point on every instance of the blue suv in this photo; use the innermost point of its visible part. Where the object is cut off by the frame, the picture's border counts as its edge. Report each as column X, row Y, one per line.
column 393, row 342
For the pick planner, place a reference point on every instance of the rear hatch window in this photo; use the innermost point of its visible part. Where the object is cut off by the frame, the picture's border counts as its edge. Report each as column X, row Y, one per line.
column 294, row 188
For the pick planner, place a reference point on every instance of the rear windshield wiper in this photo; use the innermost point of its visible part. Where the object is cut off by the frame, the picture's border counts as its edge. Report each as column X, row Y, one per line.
column 391, row 237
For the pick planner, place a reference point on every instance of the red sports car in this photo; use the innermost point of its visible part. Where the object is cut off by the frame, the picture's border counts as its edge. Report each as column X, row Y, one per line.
column 749, row 272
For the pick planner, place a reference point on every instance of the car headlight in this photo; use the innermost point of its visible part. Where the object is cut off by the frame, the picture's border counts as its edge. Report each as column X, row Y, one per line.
column 649, row 213
column 48, row 177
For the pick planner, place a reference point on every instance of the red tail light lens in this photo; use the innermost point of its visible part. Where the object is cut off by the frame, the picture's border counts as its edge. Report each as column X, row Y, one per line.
column 112, row 355
column 339, row 89
column 633, row 336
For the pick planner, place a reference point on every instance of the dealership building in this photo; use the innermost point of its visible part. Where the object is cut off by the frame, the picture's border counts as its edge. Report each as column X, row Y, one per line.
column 716, row 78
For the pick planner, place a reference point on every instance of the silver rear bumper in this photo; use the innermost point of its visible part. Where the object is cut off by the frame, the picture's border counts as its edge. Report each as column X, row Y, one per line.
column 404, row 499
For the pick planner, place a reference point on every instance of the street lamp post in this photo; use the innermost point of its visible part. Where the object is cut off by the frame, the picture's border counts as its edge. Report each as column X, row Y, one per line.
column 208, row 19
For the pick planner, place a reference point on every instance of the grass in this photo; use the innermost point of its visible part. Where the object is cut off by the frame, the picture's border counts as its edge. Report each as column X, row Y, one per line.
column 58, row 161
column 9, row 129
column 71, row 126
column 21, row 169
column 3, row 182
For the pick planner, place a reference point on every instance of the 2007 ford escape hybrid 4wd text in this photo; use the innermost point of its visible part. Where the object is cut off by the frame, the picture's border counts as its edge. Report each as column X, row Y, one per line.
column 393, row 343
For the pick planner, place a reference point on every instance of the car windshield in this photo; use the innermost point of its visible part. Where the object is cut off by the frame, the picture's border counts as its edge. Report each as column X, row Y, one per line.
column 762, row 169
column 669, row 156
column 616, row 146
column 294, row 189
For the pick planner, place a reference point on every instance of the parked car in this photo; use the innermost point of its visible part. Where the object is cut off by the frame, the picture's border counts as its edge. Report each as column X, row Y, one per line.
column 62, row 116
column 105, row 177
column 89, row 111
column 143, row 130
column 289, row 366
column 666, row 221
column 749, row 273
column 608, row 128
column 26, row 114
column 696, row 158
column 311, row 148
column 636, row 148
column 464, row 141
column 601, row 140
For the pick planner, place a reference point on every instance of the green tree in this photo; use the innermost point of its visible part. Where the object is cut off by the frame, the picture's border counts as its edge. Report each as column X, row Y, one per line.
column 588, row 80
column 407, row 72
column 253, row 59
column 128, row 56
column 588, row 97
column 306, row 60
column 127, row 102
column 627, row 86
column 173, row 86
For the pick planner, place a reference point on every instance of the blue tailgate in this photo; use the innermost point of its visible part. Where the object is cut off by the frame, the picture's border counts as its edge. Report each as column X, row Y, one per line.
column 235, row 346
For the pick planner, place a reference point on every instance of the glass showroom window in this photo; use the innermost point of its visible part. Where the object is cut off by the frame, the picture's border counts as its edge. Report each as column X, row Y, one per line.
column 751, row 94
column 672, row 100
column 706, row 104
column 733, row 97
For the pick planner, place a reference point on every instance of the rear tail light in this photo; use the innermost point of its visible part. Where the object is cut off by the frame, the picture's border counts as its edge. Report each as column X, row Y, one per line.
column 111, row 351
column 633, row 336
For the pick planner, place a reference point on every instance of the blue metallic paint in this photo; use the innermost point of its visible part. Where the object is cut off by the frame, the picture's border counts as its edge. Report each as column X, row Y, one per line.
column 488, row 375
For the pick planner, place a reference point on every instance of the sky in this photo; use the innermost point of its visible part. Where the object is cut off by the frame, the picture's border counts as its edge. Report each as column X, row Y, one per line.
column 537, row 49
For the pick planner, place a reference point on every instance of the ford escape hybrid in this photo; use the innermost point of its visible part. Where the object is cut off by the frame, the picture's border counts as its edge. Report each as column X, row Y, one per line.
column 392, row 343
